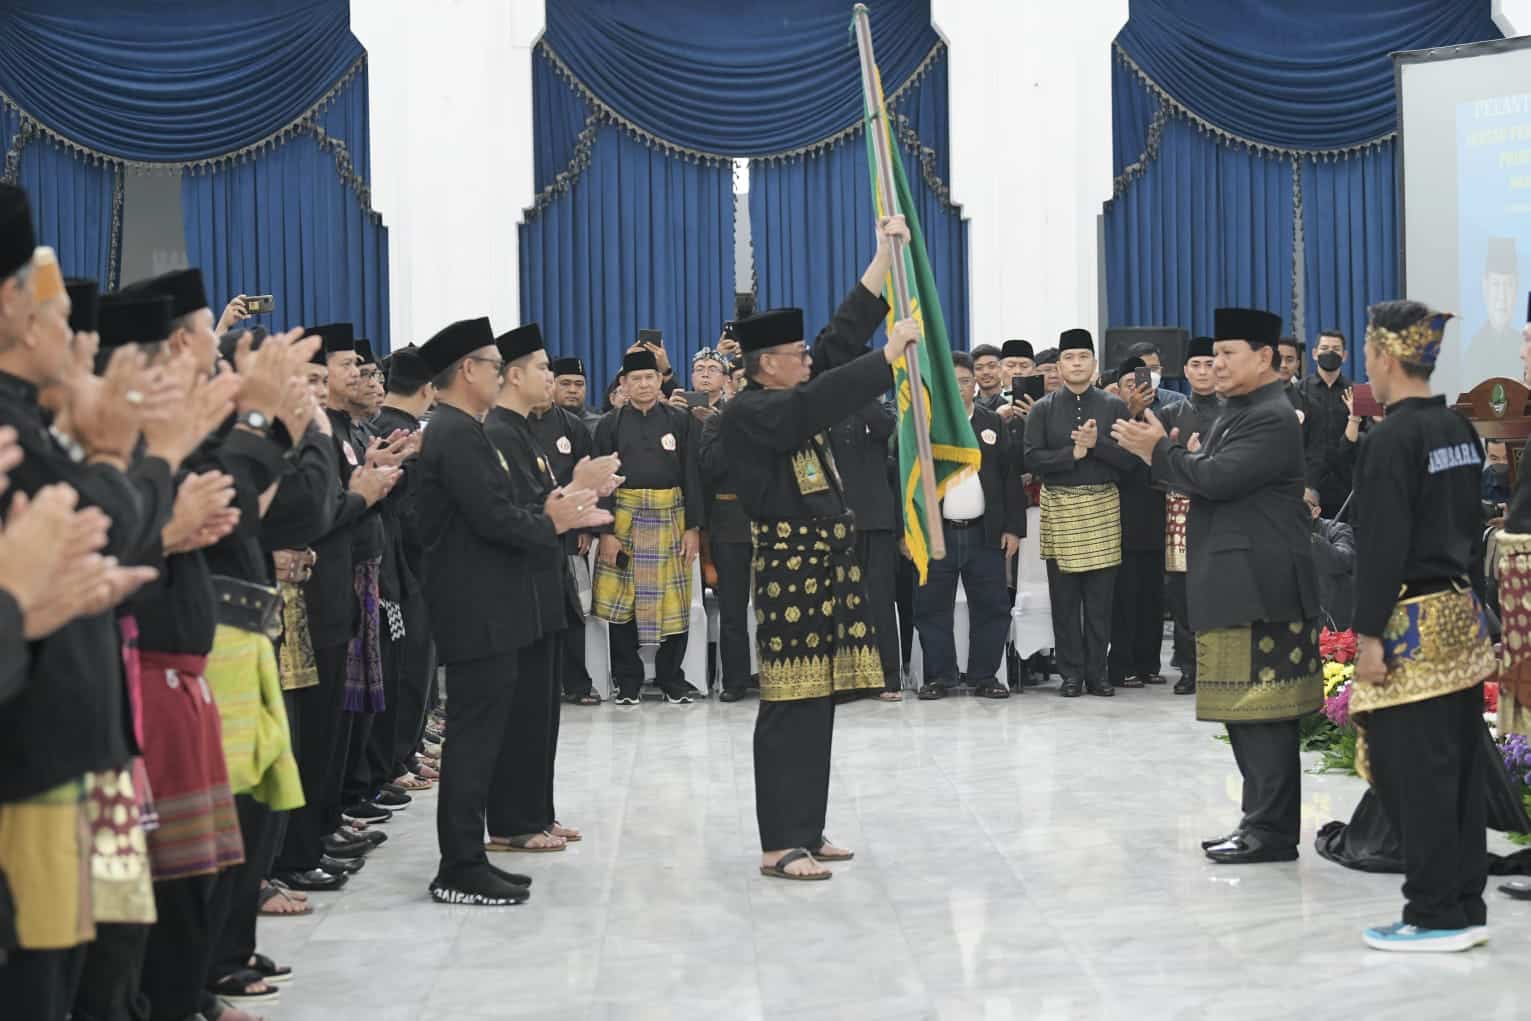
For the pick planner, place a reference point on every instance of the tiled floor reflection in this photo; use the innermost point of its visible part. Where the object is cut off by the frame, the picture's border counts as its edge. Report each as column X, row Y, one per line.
column 1028, row 859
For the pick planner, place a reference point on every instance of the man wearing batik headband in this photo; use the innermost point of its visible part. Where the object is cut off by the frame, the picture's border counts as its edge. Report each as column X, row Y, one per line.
column 1253, row 590
column 814, row 635
column 658, row 517
column 709, row 374
column 1424, row 646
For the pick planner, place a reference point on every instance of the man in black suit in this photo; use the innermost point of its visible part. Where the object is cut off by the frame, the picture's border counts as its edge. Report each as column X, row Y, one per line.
column 730, row 547
column 1253, row 591
column 984, row 517
column 482, row 548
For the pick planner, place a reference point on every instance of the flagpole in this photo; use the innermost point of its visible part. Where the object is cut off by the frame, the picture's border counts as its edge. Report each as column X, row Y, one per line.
column 935, row 538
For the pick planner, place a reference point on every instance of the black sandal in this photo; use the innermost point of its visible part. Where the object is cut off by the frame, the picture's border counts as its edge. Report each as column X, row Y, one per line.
column 232, row 987
column 588, row 698
column 992, row 691
column 779, row 870
column 819, row 855
column 274, row 974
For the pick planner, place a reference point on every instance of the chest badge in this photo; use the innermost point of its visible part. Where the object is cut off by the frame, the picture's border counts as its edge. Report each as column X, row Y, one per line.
column 989, row 436
column 542, row 466
column 503, row 466
column 667, row 441
column 564, row 446
column 350, row 453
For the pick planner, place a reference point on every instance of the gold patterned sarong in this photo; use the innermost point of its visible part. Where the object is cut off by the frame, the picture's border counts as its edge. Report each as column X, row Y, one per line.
column 655, row 585
column 1082, row 527
column 295, row 657
column 813, row 632
column 1177, row 509
column 75, row 856
column 1435, row 644
column 1263, row 672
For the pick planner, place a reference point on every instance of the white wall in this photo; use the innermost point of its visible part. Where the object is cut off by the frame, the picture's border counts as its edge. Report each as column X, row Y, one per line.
column 451, row 103
column 1513, row 16
column 1030, row 157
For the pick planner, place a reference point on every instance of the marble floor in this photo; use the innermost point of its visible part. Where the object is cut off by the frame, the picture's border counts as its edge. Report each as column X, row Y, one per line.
column 1033, row 858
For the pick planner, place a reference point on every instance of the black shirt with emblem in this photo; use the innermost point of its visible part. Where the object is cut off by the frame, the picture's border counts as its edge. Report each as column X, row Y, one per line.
column 1417, row 512
column 658, row 451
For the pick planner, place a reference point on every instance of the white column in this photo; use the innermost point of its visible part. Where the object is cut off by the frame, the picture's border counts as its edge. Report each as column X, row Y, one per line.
column 1513, row 16
column 1030, row 95
column 451, row 113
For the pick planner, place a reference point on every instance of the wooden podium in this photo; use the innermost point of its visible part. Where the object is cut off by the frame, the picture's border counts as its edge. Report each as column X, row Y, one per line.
column 1497, row 408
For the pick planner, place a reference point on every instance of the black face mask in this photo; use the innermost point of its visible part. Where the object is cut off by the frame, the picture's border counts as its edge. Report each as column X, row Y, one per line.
column 1329, row 361
column 1500, row 469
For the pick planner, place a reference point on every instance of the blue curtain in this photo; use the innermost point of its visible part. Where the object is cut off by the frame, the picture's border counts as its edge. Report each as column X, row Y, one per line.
column 734, row 76
column 71, row 202
column 811, row 218
column 287, row 224
column 175, row 81
column 1236, row 121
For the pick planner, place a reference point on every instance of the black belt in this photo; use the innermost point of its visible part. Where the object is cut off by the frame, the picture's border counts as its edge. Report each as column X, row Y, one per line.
column 247, row 606
column 1429, row 587
column 959, row 525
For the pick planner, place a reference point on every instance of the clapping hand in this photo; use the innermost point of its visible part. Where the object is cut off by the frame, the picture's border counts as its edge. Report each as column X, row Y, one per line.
column 1139, row 438
column 202, row 514
column 598, row 474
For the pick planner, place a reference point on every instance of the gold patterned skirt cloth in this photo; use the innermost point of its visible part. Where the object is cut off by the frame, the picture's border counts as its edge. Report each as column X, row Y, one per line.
column 1177, row 510
column 75, row 856
column 1435, row 644
column 1512, row 566
column 295, row 656
column 1263, row 672
column 1082, row 527
column 813, row 631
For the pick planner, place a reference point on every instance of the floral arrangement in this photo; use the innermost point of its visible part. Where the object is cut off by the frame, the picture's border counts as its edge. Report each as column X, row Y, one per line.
column 1335, row 736
column 1336, row 647
column 1516, row 749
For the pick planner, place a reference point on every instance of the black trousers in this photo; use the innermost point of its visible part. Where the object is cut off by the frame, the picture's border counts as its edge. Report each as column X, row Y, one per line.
column 358, row 784
column 234, row 939
column 573, row 677
column 416, row 657
column 877, row 553
column 904, row 579
column 109, row 981
column 41, row 984
column 1428, row 773
column 520, row 793
column 1081, row 621
column 176, row 958
column 323, row 731
column 1268, row 760
column 627, row 667
column 478, row 718
column 792, row 746
column 981, row 568
column 733, row 561
column 1137, row 615
column 1180, row 610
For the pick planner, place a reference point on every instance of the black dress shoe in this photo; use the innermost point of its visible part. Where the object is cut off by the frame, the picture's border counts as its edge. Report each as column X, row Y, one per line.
column 337, row 866
column 337, row 846
column 1128, row 682
column 1244, row 849
column 1185, row 686
column 312, row 881
column 1100, row 688
column 1207, row 844
column 376, row 838
column 1153, row 679
column 1071, row 689
column 930, row 692
column 731, row 695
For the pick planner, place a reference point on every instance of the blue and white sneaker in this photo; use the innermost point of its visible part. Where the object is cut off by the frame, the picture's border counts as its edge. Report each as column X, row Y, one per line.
column 1410, row 939
column 1480, row 934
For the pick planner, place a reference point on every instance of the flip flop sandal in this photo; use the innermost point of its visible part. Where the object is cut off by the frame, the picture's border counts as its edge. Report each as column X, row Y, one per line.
column 271, row 893
column 818, row 853
column 569, row 836
column 274, row 974
column 410, row 782
column 779, row 870
column 521, row 844
column 891, row 696
column 232, row 988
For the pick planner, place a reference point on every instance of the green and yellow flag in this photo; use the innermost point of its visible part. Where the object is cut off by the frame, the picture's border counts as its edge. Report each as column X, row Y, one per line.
column 953, row 447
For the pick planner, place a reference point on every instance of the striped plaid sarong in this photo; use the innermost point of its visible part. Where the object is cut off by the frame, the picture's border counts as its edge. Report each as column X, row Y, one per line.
column 655, row 586
column 1081, row 527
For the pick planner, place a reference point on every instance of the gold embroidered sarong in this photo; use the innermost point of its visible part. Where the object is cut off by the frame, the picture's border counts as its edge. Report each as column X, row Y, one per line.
column 1082, row 527
column 1177, row 509
column 1435, row 644
column 813, row 632
column 655, row 586
column 1263, row 672
column 295, row 658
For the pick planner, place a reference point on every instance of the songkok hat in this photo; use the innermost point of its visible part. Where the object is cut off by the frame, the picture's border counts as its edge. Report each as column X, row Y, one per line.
column 1501, row 256
column 336, row 338
column 228, row 341
column 1076, row 340
column 771, row 328
column 363, row 349
column 455, row 342
column 182, row 286
column 568, row 366
column 520, row 342
column 17, row 241
column 1419, row 343
column 47, row 278
column 1017, row 349
column 84, row 295
column 1128, row 367
column 407, row 369
column 1257, row 328
column 142, row 318
column 1198, row 347
column 650, row 337
column 640, row 360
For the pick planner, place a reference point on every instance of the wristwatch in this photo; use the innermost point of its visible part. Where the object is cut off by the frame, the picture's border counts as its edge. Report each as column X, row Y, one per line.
column 255, row 420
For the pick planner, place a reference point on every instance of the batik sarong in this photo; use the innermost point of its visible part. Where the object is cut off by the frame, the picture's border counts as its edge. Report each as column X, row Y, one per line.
column 364, row 656
column 1082, row 527
column 1259, row 673
column 654, row 586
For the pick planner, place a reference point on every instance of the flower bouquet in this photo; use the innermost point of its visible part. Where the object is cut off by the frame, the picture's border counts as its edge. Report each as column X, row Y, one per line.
column 1335, row 736
column 1516, row 751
